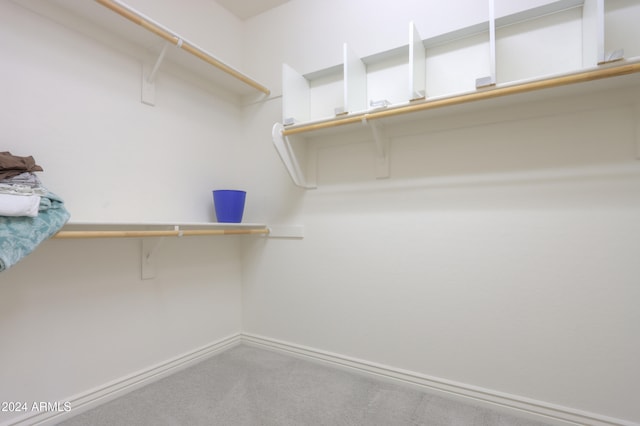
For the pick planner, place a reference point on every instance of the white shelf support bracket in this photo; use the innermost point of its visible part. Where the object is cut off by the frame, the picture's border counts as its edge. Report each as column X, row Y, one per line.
column 147, row 257
column 381, row 141
column 149, row 77
column 491, row 79
column 355, row 83
column 288, row 156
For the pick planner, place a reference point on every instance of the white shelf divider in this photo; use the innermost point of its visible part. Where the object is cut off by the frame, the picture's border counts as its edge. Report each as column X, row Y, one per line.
column 490, row 80
column 592, row 32
column 417, row 65
column 295, row 96
column 594, row 35
column 617, row 53
column 355, row 82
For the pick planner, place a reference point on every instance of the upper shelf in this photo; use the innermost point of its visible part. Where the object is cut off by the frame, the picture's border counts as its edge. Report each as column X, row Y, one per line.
column 292, row 142
column 112, row 20
column 560, row 37
column 629, row 67
column 565, row 48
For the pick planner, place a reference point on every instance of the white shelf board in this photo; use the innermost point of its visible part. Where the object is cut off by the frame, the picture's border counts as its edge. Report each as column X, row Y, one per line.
column 92, row 19
column 534, row 94
column 204, row 225
column 275, row 231
column 438, row 113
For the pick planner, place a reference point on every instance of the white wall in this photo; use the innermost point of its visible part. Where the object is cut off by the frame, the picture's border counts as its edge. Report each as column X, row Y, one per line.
column 75, row 315
column 501, row 253
column 113, row 157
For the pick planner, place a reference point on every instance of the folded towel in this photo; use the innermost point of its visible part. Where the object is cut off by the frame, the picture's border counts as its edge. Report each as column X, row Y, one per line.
column 23, row 184
column 19, row 205
column 26, row 178
column 19, row 236
column 16, row 189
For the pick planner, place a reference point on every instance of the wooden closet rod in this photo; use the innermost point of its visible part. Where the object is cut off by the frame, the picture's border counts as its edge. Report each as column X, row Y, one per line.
column 164, row 33
column 579, row 77
column 166, row 233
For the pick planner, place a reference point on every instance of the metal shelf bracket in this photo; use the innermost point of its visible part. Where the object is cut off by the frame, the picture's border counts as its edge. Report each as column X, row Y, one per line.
column 381, row 141
column 288, row 156
column 149, row 77
column 148, row 258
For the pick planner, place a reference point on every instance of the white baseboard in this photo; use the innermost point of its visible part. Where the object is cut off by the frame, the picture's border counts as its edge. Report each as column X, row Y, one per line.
column 97, row 396
column 533, row 409
column 540, row 410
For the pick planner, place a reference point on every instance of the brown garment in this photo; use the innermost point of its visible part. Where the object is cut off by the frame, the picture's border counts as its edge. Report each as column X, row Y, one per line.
column 12, row 165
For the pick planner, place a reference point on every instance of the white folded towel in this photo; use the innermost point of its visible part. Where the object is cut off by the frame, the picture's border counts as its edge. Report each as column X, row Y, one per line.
column 19, row 205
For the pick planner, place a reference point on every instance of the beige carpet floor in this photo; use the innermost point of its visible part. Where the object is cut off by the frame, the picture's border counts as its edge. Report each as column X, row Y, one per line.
column 251, row 386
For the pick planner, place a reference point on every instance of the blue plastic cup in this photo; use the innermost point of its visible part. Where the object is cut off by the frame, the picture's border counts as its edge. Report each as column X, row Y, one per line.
column 229, row 205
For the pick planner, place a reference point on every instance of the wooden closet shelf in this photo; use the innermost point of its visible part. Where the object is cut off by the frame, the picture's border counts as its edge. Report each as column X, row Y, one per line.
column 169, row 36
column 141, row 36
column 143, row 230
column 619, row 69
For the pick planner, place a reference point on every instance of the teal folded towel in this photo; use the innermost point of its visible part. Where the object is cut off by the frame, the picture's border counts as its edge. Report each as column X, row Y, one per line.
column 19, row 236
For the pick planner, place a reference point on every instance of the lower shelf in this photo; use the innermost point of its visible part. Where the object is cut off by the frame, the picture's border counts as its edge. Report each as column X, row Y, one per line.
column 143, row 230
column 153, row 233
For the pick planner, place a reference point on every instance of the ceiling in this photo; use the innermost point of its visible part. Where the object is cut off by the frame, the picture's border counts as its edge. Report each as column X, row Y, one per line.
column 245, row 9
